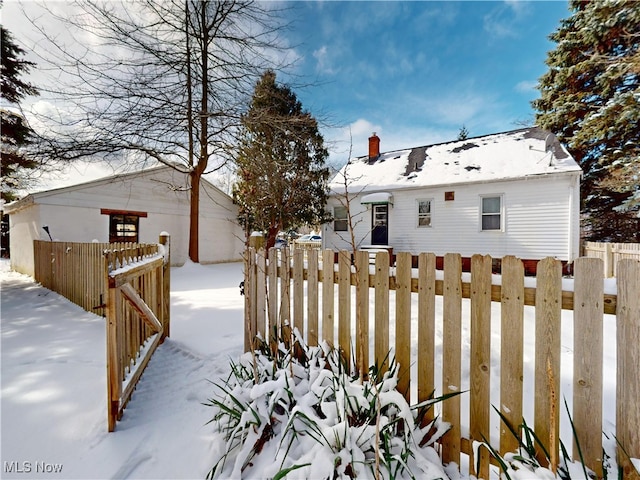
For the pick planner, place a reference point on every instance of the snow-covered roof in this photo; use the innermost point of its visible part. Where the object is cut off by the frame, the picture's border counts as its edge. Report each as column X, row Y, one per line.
column 501, row 156
column 35, row 197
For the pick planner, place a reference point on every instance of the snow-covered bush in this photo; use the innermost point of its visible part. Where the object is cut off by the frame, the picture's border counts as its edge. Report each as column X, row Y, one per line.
column 299, row 413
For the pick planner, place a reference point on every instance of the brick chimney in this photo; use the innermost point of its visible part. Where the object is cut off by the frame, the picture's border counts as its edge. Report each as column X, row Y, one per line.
column 374, row 147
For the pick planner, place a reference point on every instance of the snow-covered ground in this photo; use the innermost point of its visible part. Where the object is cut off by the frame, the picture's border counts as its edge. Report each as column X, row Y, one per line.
column 53, row 396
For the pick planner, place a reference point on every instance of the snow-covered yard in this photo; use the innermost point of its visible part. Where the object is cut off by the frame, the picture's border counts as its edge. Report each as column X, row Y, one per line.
column 54, row 422
column 54, row 382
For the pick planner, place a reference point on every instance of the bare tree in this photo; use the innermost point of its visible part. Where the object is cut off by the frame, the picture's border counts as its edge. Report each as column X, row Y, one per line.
column 156, row 82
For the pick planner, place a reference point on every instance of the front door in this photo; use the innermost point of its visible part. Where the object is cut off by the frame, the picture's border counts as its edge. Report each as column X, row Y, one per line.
column 380, row 218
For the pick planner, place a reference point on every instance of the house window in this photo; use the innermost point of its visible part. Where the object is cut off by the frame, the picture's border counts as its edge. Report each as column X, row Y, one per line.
column 123, row 224
column 340, row 219
column 123, row 228
column 424, row 213
column 491, row 213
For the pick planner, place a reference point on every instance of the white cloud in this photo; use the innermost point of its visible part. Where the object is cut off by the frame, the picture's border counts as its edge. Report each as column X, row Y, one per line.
column 526, row 86
column 502, row 21
column 353, row 140
column 323, row 62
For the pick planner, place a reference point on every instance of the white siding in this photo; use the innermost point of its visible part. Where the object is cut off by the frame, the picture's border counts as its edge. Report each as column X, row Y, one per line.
column 74, row 214
column 221, row 237
column 540, row 218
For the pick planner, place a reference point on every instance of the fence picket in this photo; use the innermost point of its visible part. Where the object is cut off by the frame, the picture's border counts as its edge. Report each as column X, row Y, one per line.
column 328, row 298
column 403, row 323
column 511, row 350
column 628, row 355
column 587, row 366
column 285, row 288
column 480, row 367
column 344, row 304
column 381, row 282
column 362, row 309
column 426, row 327
column 312, row 296
column 261, row 285
column 547, row 361
column 273, row 326
column 451, row 354
column 298, row 290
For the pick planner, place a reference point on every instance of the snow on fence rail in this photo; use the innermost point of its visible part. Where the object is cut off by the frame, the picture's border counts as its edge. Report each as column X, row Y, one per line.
column 611, row 254
column 268, row 309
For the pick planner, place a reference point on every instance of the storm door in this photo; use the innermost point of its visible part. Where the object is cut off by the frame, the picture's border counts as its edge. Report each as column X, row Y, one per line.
column 380, row 221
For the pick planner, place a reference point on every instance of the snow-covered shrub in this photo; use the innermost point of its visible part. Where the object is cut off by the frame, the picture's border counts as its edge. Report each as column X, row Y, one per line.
column 299, row 413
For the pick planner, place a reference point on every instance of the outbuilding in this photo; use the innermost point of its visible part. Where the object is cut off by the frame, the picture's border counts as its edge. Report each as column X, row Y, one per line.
column 512, row 193
column 133, row 207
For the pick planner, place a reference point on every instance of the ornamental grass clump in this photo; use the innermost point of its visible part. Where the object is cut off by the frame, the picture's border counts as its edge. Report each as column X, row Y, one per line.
column 300, row 412
column 515, row 465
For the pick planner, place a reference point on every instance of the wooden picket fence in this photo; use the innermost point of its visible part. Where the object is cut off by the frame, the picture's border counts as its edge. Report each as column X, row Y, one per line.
column 137, row 283
column 611, row 254
column 275, row 296
column 74, row 270
column 128, row 283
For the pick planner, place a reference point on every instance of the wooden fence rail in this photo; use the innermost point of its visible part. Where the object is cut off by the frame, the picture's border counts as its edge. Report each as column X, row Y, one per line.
column 611, row 254
column 281, row 279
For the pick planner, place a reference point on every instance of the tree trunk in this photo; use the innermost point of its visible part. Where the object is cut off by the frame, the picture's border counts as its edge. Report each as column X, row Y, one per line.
column 272, row 233
column 194, row 218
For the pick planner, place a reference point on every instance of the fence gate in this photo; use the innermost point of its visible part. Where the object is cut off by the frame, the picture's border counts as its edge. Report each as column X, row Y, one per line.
column 137, row 314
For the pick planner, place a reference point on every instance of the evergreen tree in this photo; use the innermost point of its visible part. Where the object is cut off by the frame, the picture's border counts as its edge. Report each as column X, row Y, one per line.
column 282, row 178
column 463, row 134
column 16, row 133
column 590, row 98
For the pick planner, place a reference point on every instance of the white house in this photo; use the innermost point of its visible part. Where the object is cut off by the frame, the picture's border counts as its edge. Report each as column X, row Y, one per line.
column 513, row 193
column 133, row 207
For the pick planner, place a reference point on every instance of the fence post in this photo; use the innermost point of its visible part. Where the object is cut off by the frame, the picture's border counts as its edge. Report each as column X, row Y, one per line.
column 165, row 241
column 628, row 359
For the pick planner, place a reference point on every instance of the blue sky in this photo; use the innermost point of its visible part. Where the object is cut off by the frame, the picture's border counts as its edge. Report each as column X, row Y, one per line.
column 416, row 72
